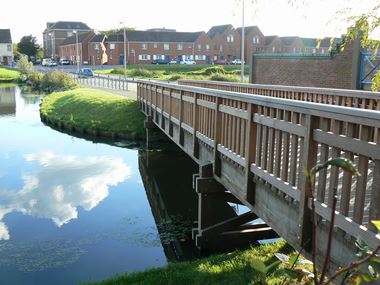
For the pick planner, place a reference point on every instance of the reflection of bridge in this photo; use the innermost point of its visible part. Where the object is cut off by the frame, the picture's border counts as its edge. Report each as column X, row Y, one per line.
column 8, row 101
column 257, row 146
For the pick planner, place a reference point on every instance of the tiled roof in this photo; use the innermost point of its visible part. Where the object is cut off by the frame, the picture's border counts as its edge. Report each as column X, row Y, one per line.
column 5, row 36
column 73, row 39
column 151, row 36
column 217, row 30
column 269, row 39
column 98, row 38
column 61, row 25
column 288, row 40
column 248, row 30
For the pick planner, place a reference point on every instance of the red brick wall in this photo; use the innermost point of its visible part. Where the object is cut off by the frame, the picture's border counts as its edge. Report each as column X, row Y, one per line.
column 329, row 72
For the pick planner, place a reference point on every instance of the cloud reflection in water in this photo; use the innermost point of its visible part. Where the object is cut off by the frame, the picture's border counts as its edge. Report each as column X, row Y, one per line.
column 61, row 185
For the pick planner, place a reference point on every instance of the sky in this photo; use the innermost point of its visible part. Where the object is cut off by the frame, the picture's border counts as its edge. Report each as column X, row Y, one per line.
column 306, row 18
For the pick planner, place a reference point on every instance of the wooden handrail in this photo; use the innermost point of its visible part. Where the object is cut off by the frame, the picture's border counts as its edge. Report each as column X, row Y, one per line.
column 275, row 139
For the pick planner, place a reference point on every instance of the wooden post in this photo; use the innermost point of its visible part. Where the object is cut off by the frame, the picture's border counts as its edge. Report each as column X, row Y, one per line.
column 310, row 148
column 195, row 127
column 180, row 114
column 250, row 152
column 217, row 130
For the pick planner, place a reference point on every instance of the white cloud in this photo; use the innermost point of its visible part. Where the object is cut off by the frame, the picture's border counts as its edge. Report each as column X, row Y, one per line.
column 61, row 185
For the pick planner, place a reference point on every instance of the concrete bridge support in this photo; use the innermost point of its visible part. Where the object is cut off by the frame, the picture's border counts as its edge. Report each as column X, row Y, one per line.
column 219, row 227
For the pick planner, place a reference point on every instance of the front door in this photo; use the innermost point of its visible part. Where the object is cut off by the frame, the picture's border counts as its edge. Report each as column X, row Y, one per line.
column 207, row 59
column 5, row 60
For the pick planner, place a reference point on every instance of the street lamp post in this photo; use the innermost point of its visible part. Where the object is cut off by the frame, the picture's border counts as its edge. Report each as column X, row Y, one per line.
column 242, row 44
column 125, row 49
column 77, row 48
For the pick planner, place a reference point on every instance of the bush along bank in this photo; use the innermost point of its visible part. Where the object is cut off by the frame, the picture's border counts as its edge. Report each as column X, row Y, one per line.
column 52, row 81
column 8, row 75
column 94, row 112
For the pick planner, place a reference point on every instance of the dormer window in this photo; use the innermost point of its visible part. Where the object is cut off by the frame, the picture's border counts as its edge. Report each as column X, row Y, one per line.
column 230, row 38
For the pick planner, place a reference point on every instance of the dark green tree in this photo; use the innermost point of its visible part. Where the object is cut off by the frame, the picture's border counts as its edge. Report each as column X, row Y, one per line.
column 28, row 45
column 119, row 31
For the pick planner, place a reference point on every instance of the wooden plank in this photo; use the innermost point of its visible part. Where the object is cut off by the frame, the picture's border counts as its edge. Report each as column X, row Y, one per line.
column 347, row 225
column 206, row 104
column 205, row 139
column 217, row 136
column 188, row 99
column 280, row 125
column 175, row 121
column 354, row 145
column 361, row 184
column 231, row 155
column 187, row 128
column 195, row 126
column 276, row 182
column 285, row 153
column 278, row 143
column 250, row 153
column 176, row 94
column 293, row 153
column 234, row 112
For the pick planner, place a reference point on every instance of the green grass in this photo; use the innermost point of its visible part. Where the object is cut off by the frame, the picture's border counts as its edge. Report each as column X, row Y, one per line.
column 8, row 75
column 95, row 110
column 178, row 71
column 224, row 269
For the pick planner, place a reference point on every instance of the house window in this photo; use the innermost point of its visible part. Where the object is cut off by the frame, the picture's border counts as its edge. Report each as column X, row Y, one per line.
column 110, row 56
column 144, row 46
column 215, row 57
column 9, row 47
column 112, row 46
column 198, row 57
column 230, row 38
column 96, row 46
column 207, row 47
column 144, row 57
column 314, row 50
column 322, row 51
column 166, row 46
column 273, row 49
column 179, row 46
column 221, row 48
column 69, row 34
column 256, row 40
column 190, row 45
column 199, row 47
column 155, row 45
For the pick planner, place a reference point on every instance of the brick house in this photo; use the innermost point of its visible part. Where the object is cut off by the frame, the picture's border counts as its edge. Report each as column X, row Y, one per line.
column 225, row 42
column 6, row 50
column 143, row 47
column 254, row 41
column 115, row 49
column 56, row 32
column 68, row 48
column 97, row 54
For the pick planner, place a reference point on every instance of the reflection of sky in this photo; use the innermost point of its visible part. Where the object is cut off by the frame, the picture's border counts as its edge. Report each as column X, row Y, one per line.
column 61, row 196
column 60, row 185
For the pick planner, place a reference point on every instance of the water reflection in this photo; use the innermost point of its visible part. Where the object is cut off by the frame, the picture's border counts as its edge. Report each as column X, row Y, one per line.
column 59, row 184
column 8, row 100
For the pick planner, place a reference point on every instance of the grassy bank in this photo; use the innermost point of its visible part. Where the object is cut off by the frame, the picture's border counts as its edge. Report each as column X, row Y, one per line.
column 95, row 111
column 177, row 71
column 225, row 269
column 8, row 75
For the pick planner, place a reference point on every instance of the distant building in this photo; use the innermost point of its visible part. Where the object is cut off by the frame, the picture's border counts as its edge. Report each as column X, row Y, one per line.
column 6, row 50
column 97, row 54
column 68, row 48
column 55, row 33
column 226, row 42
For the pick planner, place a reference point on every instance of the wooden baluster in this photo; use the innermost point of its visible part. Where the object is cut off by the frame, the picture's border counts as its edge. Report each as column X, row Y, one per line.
column 285, row 153
column 361, row 184
column 347, row 177
column 271, row 143
column 334, row 171
column 259, row 143
column 250, row 152
column 294, row 153
column 324, row 155
column 195, row 127
column 233, row 129
column 278, row 147
column 180, row 114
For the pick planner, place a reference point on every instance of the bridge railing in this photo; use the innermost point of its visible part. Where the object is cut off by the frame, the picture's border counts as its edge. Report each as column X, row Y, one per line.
column 274, row 140
column 348, row 98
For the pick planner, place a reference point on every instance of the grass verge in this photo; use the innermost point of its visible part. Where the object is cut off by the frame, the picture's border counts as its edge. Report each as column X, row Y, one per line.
column 8, row 75
column 95, row 111
column 225, row 269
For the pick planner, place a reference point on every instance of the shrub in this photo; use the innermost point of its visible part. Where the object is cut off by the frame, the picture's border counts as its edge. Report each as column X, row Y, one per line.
column 57, row 81
column 214, row 69
column 25, row 66
column 174, row 77
column 140, row 72
column 224, row 77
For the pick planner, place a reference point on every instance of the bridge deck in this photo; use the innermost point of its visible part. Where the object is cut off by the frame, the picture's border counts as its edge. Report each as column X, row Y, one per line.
column 260, row 146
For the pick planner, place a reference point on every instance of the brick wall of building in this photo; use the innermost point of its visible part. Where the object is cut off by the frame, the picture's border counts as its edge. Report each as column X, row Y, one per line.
column 337, row 71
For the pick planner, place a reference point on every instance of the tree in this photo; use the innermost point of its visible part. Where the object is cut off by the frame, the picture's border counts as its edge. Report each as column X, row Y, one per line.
column 118, row 31
column 28, row 45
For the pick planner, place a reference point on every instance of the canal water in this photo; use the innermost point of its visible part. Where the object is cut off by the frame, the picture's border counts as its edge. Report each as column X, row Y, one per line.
column 74, row 210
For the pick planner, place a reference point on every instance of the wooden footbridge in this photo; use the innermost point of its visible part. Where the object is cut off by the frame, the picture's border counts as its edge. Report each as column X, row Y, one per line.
column 253, row 143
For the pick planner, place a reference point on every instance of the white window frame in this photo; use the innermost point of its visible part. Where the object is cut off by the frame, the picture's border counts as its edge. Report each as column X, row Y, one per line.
column 112, row 46
column 230, row 38
column 179, row 46
column 207, row 47
column 144, row 46
column 166, row 46
column 155, row 45
column 144, row 56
